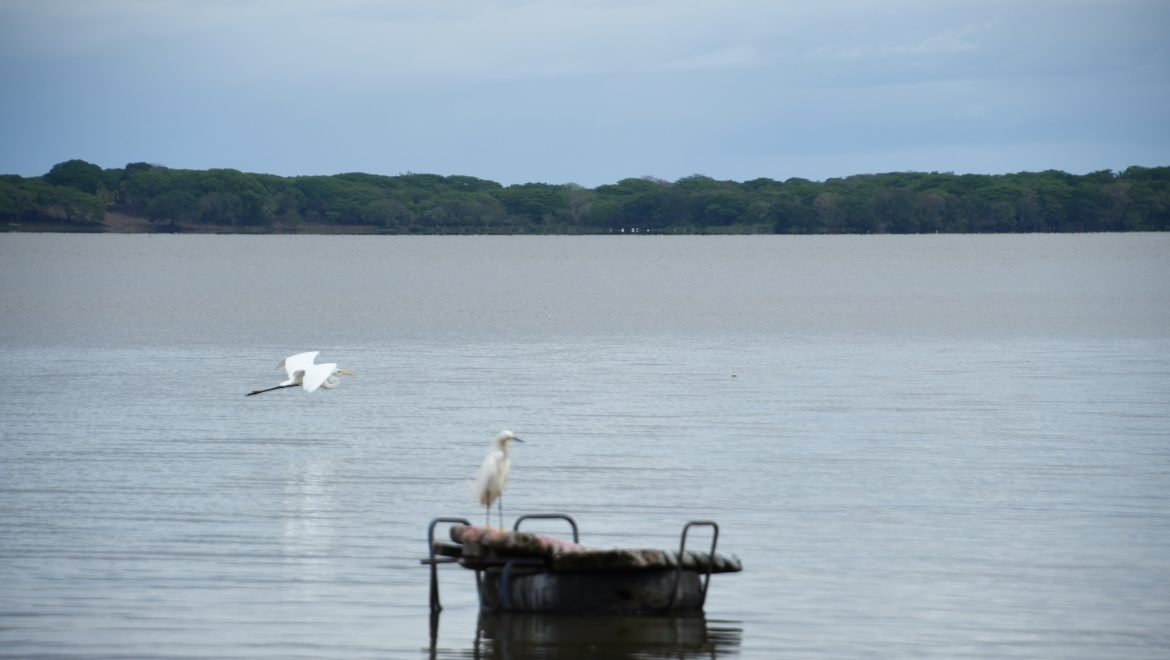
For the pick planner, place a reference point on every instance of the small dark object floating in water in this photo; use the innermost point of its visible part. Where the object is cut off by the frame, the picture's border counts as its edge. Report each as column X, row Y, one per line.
column 521, row 572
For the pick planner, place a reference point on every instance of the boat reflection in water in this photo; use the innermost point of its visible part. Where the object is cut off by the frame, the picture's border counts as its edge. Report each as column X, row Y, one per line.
column 579, row 636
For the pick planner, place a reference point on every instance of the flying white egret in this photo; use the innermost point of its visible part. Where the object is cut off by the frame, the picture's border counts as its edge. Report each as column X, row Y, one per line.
column 303, row 371
column 493, row 475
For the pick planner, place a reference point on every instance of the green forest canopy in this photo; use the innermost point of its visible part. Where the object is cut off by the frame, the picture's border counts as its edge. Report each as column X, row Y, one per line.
column 79, row 196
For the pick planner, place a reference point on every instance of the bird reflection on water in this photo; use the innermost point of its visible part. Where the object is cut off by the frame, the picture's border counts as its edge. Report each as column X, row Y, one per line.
column 580, row 636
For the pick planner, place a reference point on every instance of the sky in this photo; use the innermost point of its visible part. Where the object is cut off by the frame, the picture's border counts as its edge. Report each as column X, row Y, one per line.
column 586, row 91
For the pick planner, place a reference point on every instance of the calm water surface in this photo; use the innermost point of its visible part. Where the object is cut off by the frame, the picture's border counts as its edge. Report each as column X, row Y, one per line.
column 934, row 446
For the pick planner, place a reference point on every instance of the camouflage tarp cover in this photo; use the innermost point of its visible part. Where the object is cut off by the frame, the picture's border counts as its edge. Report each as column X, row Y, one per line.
column 564, row 556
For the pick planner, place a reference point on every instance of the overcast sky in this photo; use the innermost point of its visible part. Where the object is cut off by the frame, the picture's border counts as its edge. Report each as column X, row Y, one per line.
column 586, row 91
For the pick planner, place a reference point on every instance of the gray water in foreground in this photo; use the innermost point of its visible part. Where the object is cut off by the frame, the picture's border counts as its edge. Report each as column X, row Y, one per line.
column 931, row 446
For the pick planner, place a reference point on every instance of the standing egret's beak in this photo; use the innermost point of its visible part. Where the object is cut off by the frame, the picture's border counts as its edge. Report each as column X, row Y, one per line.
column 517, row 439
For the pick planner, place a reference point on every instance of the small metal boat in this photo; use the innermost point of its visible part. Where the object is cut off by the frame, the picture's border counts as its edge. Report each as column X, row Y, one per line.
column 517, row 571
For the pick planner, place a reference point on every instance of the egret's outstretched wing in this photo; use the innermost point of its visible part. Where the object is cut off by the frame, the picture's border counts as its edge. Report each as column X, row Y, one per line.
column 316, row 374
column 298, row 362
column 296, row 365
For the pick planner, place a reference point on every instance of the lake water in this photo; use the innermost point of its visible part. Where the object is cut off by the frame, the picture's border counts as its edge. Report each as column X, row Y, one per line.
column 927, row 446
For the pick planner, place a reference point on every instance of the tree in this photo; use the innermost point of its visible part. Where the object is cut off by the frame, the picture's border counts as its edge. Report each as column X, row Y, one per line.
column 173, row 206
column 75, row 195
column 537, row 202
column 218, row 208
column 829, row 213
column 16, row 200
column 77, row 174
column 387, row 213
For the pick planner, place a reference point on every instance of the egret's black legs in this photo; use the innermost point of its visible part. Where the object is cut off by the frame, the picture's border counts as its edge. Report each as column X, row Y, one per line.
column 278, row 387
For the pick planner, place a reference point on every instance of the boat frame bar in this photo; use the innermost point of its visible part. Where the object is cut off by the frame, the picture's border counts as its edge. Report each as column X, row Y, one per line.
column 434, row 561
column 682, row 546
column 555, row 516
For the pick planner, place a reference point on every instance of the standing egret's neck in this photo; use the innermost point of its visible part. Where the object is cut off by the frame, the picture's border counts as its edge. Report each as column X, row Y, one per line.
column 502, row 440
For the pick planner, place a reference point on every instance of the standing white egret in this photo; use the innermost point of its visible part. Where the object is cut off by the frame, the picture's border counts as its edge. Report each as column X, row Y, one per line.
column 302, row 371
column 493, row 475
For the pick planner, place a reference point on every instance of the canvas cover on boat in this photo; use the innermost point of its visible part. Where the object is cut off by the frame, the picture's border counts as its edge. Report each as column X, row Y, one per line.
column 564, row 556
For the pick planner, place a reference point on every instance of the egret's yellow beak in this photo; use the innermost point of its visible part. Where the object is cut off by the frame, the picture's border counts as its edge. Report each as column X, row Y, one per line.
column 346, row 372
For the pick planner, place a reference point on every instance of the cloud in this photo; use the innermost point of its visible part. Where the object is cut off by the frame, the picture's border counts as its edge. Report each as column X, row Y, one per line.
column 401, row 41
column 947, row 41
column 583, row 90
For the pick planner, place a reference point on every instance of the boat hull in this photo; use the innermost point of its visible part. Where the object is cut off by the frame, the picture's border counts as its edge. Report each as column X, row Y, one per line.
column 625, row 592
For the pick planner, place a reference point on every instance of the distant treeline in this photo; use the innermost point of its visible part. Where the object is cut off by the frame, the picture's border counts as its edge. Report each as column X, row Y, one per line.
column 79, row 196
